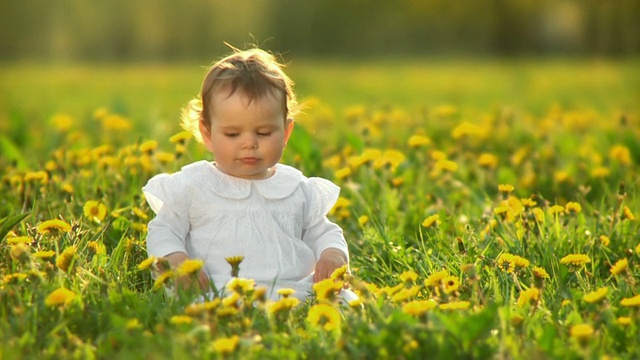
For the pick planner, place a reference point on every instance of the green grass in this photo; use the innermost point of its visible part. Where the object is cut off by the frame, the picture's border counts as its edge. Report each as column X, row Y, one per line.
column 563, row 133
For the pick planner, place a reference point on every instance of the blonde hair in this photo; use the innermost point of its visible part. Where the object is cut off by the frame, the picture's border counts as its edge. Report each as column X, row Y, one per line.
column 253, row 71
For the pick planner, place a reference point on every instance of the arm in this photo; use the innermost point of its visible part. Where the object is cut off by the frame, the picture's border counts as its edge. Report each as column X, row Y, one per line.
column 328, row 243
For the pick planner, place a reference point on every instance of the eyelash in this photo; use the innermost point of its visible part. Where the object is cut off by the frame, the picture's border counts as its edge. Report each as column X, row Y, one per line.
column 259, row 134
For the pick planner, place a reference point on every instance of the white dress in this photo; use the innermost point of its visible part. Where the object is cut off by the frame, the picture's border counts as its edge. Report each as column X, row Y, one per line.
column 279, row 224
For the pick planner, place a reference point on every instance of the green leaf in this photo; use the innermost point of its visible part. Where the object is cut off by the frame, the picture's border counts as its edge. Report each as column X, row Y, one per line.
column 7, row 223
column 11, row 151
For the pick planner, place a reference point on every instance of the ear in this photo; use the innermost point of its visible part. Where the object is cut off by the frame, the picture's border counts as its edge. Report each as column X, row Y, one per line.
column 288, row 129
column 205, row 132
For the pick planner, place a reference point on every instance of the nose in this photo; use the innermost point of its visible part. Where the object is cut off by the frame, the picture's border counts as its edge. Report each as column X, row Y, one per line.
column 250, row 141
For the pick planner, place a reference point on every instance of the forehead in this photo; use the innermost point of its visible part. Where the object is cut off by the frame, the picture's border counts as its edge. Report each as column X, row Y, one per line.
column 227, row 92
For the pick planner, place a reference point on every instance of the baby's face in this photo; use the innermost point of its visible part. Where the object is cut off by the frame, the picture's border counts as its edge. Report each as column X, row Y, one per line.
column 247, row 139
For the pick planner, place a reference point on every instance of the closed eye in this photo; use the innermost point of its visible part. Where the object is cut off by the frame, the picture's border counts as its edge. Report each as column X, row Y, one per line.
column 231, row 135
column 264, row 133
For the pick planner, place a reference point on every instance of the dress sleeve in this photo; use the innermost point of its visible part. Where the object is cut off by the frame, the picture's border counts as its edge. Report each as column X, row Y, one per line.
column 168, row 231
column 319, row 233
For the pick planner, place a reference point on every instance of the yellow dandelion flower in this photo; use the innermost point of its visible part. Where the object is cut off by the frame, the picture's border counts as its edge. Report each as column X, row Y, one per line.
column 418, row 140
column 162, row 279
column 623, row 320
column 241, row 285
column 20, row 252
column 627, row 214
column 282, row 305
column 327, row 289
column 147, row 263
column 455, row 305
column 148, row 146
column 450, row 284
column 226, row 345
column 405, row 294
column 115, row 122
column 620, row 154
column 60, row 296
column 181, row 137
column 600, row 172
column 631, row 302
column 604, row 240
column 181, row 320
column 234, row 261
column 324, row 316
column 37, row 176
column 189, row 266
column 96, row 248
column 95, row 210
column 572, row 208
column 51, row 226
column 133, row 324
column 575, row 259
column 45, row 254
column 528, row 202
column 362, row 220
column 19, row 240
column 619, row 267
column 431, row 220
column 286, row 292
column 139, row 213
column 343, row 173
column 409, row 276
column 519, row 262
column 581, row 332
column 505, row 262
column 62, row 122
column 488, row 160
column 340, row 273
column 165, row 157
column 64, row 261
column 446, row 165
column 528, row 296
column 638, row 249
column 556, row 209
column 506, row 188
column 596, row 296
column 418, row 307
column 540, row 272
column 434, row 279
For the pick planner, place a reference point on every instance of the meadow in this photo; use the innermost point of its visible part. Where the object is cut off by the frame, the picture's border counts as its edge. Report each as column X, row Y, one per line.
column 491, row 209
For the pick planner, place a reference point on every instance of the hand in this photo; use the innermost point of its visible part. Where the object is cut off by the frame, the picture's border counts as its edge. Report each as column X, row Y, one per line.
column 330, row 260
column 183, row 282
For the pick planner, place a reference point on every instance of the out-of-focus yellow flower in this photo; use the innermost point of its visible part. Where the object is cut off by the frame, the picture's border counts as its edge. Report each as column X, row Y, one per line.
column 465, row 129
column 621, row 154
column 148, row 146
column 62, row 122
column 96, row 248
column 55, row 225
column 343, row 173
column 147, row 263
column 162, row 279
column 435, row 279
column 65, row 260
column 450, row 284
column 540, row 273
column 340, row 273
column 455, row 305
column 241, row 285
column 445, row 111
column 581, row 332
column 409, row 276
column 596, row 296
column 19, row 239
column 418, row 307
column 575, row 259
column 133, row 324
column 488, row 160
column 115, row 122
column 620, row 266
column 95, row 210
column 446, row 165
column 528, row 296
column 631, row 302
column 528, row 202
column 60, row 296
column 604, row 240
column 405, row 293
column 623, row 320
column 181, row 137
column 285, row 292
column 226, row 346
column 189, row 266
column 327, row 289
column 572, row 207
column 181, row 319
column 431, row 220
column 37, row 176
column 282, row 305
column 362, row 220
column 627, row 214
column 600, row 172
column 556, row 209
column 139, row 213
column 324, row 316
column 164, row 157
column 46, row 254
column 20, row 252
column 419, row 140
column 506, row 188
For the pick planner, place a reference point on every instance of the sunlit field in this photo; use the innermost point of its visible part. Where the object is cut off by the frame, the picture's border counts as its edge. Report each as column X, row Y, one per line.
column 491, row 209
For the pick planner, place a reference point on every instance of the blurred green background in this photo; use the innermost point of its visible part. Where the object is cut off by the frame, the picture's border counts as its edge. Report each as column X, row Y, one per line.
column 168, row 30
column 146, row 58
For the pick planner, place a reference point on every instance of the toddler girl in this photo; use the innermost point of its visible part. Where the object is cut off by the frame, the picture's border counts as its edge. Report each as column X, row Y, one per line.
column 245, row 203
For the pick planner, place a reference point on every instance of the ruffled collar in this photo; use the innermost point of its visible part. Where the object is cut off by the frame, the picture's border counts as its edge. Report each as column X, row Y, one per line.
column 281, row 184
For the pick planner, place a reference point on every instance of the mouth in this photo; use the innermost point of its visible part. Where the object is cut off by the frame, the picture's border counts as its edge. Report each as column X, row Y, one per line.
column 249, row 160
